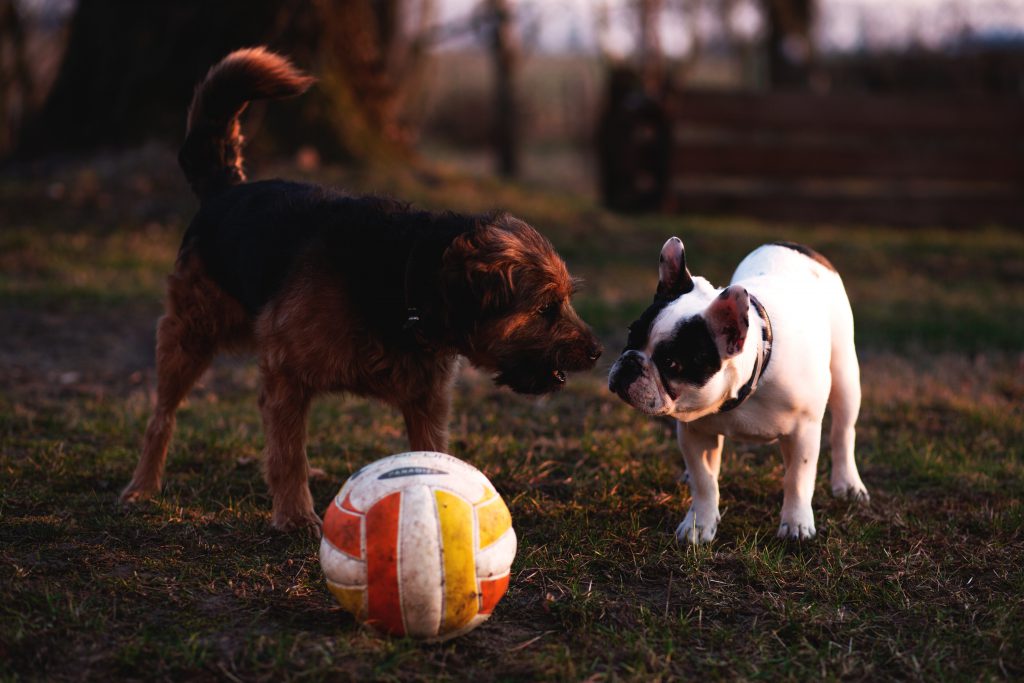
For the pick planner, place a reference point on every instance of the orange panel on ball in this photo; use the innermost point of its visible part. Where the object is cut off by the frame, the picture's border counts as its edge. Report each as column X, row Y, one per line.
column 383, row 597
column 491, row 591
column 342, row 529
column 347, row 504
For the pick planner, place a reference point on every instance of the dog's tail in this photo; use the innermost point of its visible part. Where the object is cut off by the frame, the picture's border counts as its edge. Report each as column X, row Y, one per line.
column 211, row 155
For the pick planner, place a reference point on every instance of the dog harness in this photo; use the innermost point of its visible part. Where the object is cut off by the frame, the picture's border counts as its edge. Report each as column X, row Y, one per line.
column 759, row 366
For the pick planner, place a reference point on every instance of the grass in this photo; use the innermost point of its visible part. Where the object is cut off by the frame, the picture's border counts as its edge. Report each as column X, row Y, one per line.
column 925, row 583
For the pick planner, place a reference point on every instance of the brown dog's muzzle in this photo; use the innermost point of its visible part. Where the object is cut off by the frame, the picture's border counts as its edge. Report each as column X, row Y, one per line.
column 543, row 369
column 579, row 355
column 582, row 348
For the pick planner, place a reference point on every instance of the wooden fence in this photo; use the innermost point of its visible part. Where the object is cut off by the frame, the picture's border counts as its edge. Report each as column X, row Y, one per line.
column 847, row 159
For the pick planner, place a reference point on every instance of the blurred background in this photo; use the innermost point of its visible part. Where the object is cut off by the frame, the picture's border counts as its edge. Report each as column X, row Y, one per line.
column 887, row 134
column 891, row 111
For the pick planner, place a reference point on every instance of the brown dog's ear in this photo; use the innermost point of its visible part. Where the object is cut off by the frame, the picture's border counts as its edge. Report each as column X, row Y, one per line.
column 728, row 320
column 491, row 286
column 476, row 278
column 674, row 279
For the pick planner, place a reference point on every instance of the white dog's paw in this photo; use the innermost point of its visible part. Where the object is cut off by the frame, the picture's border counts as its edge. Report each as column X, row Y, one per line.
column 849, row 487
column 796, row 532
column 798, row 526
column 697, row 528
column 855, row 494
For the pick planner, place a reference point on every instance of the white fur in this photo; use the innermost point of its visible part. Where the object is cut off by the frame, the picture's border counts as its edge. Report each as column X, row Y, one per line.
column 813, row 364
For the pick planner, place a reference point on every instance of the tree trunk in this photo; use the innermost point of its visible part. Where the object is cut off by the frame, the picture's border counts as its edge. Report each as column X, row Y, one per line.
column 649, row 55
column 790, row 42
column 505, row 52
column 15, row 79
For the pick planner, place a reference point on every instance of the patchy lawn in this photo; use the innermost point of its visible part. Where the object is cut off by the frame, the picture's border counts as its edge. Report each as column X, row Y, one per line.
column 924, row 583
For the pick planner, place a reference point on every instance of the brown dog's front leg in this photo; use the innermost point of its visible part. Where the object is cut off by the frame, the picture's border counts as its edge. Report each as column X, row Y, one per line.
column 284, row 405
column 426, row 422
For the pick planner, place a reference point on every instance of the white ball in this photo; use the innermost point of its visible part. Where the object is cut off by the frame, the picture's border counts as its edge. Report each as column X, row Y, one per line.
column 418, row 544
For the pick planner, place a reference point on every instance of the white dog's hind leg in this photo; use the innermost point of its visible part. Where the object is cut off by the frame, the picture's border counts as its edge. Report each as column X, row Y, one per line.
column 800, row 457
column 703, row 456
column 844, row 404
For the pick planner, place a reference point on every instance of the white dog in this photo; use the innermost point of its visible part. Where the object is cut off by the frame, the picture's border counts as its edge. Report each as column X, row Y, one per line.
column 757, row 361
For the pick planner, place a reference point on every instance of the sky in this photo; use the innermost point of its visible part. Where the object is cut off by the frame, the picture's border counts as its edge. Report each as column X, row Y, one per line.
column 844, row 25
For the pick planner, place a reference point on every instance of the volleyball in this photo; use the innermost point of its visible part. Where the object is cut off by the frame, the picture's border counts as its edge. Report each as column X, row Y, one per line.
column 418, row 544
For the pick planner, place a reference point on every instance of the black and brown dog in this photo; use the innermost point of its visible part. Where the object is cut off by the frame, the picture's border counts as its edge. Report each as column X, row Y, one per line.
column 343, row 293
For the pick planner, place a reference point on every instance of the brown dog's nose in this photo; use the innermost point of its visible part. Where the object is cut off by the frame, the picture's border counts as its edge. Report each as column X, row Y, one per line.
column 595, row 352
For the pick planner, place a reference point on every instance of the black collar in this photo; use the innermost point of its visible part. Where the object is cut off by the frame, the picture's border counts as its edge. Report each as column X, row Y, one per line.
column 423, row 317
column 760, row 365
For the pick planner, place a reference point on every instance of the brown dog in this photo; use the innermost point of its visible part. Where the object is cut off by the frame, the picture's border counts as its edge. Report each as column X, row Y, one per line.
column 341, row 293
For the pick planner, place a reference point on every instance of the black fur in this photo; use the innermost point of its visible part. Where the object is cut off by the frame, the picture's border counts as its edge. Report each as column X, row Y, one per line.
column 250, row 236
column 640, row 329
column 693, row 348
column 808, row 252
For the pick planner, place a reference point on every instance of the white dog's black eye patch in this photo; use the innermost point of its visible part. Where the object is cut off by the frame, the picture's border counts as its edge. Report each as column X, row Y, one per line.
column 690, row 355
column 640, row 329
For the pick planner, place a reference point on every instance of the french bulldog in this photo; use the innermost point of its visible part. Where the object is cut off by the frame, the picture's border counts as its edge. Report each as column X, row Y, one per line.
column 757, row 361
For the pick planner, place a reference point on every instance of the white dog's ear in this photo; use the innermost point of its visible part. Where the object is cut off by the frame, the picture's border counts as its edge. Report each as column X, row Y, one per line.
column 674, row 279
column 727, row 320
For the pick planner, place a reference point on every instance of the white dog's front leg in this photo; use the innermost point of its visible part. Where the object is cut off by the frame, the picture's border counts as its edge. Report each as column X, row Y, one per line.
column 703, row 456
column 800, row 457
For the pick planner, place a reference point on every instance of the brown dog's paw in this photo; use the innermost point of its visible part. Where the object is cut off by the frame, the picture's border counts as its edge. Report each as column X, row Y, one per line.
column 296, row 521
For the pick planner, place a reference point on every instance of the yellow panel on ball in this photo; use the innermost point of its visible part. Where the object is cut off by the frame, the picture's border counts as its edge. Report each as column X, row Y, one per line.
column 461, row 600
column 352, row 599
column 494, row 520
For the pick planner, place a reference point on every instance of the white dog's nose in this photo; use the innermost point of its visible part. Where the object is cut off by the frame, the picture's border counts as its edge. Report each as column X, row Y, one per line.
column 626, row 370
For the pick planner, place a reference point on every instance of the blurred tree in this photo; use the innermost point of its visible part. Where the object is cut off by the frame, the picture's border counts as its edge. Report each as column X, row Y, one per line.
column 648, row 19
column 15, row 79
column 130, row 67
column 373, row 54
column 790, row 42
column 505, row 53
column 649, row 54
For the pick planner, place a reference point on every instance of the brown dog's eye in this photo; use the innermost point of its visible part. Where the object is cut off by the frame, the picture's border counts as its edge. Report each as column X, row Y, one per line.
column 673, row 366
column 547, row 309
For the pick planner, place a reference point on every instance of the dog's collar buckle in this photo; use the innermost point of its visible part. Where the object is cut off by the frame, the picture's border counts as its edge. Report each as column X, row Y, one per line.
column 413, row 319
column 760, row 365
